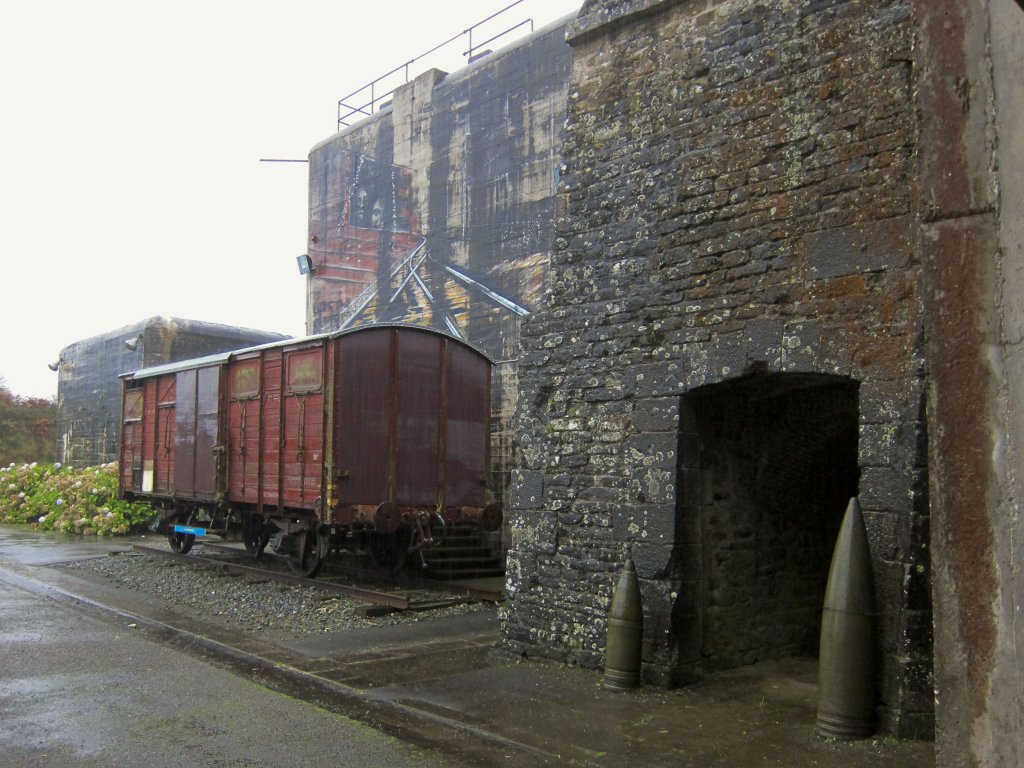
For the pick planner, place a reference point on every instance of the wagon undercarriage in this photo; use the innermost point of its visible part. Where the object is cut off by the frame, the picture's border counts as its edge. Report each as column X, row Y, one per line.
column 375, row 440
column 307, row 542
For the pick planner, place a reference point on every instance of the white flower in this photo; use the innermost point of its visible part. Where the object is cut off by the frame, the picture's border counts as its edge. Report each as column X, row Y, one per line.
column 21, row 495
column 12, row 487
column 57, row 465
column 32, row 465
column 95, row 491
column 110, row 514
column 42, row 518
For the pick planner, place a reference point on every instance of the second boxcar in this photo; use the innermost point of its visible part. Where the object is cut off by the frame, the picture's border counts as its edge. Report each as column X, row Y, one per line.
column 380, row 435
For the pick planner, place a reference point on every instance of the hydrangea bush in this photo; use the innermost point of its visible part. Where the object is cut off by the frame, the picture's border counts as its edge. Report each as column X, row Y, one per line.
column 55, row 498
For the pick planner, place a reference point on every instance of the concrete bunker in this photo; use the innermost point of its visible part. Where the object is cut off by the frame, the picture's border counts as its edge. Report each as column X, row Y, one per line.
column 767, row 464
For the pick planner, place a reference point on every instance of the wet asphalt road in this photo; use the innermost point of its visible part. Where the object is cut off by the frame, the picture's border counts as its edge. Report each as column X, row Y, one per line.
column 81, row 688
column 78, row 686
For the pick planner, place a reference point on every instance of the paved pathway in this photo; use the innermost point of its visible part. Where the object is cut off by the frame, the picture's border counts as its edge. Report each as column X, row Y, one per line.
column 79, row 688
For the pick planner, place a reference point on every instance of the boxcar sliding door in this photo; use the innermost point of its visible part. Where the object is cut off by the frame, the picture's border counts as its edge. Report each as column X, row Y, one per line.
column 197, row 433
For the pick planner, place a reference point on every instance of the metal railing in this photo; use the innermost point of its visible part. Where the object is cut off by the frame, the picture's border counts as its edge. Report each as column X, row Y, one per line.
column 364, row 101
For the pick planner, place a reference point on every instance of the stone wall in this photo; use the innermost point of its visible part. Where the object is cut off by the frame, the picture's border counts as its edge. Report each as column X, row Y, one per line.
column 738, row 201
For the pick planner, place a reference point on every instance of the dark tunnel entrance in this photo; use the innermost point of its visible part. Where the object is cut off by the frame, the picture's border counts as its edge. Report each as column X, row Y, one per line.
column 776, row 464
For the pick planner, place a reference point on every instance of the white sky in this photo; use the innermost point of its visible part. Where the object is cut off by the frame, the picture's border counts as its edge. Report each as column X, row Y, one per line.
column 131, row 133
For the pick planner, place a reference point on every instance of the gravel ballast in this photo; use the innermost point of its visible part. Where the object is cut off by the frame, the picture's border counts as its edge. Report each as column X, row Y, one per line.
column 253, row 603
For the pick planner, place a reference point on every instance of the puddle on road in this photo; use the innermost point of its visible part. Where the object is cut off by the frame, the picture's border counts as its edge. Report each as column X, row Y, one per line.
column 27, row 546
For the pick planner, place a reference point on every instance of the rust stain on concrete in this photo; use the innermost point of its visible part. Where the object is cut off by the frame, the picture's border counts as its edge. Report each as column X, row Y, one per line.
column 962, row 458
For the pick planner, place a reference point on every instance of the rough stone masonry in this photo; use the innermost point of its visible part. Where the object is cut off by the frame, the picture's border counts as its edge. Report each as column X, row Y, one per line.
column 731, row 342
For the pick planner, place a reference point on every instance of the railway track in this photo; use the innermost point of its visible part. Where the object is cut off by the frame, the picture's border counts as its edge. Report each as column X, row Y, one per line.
column 391, row 600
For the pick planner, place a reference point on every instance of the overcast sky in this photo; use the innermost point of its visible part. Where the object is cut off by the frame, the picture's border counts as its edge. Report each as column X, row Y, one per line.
column 132, row 133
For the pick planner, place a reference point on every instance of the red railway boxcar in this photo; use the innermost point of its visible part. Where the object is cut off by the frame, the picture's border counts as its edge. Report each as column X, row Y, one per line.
column 380, row 434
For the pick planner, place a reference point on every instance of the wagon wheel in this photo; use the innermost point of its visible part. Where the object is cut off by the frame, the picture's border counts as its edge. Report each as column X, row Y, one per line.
column 181, row 542
column 254, row 535
column 388, row 551
column 311, row 548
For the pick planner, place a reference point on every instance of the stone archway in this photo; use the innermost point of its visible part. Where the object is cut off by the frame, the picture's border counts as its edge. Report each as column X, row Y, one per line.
column 768, row 463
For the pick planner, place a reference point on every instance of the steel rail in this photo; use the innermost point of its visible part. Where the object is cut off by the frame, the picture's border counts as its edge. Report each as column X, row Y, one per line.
column 360, row 593
column 473, row 593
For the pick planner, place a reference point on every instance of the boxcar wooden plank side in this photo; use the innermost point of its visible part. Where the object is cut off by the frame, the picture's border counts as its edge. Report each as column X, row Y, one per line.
column 149, row 415
column 419, row 419
column 467, row 411
column 163, row 449
column 131, row 457
column 302, row 447
column 363, row 431
column 270, row 441
column 243, row 426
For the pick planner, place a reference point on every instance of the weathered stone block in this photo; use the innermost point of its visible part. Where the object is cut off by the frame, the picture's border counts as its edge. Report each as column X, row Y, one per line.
column 535, row 532
column 527, row 489
column 881, row 528
column 656, row 415
column 884, row 489
column 859, row 248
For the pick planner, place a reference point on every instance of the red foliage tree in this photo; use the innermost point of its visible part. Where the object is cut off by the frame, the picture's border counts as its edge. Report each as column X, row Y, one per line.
column 27, row 428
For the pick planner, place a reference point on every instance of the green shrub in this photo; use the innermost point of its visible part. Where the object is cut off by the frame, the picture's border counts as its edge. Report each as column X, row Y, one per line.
column 55, row 498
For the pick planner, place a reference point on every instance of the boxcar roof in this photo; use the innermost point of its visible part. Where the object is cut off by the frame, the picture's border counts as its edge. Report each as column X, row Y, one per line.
column 222, row 357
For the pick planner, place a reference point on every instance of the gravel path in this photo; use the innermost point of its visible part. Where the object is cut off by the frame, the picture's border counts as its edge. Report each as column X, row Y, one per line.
column 251, row 603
